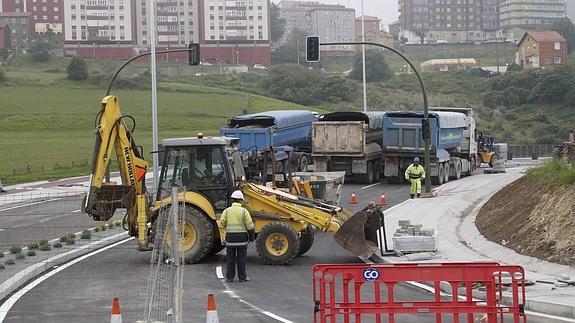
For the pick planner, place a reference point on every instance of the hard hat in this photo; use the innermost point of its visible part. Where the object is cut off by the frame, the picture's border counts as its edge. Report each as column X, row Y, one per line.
column 416, row 160
column 238, row 195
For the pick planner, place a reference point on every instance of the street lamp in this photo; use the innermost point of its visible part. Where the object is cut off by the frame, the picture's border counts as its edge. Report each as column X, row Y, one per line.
column 363, row 58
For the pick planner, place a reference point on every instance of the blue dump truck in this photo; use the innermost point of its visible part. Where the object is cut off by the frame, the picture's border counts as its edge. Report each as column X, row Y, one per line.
column 273, row 130
column 350, row 142
column 453, row 150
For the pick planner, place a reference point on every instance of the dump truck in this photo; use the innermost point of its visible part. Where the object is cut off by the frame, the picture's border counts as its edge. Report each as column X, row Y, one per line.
column 269, row 131
column 207, row 170
column 350, row 142
column 453, row 150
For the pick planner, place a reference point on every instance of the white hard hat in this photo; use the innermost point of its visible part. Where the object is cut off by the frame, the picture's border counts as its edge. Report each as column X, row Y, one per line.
column 238, row 195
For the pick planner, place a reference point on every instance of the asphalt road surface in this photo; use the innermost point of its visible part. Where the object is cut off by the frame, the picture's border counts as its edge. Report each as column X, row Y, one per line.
column 84, row 291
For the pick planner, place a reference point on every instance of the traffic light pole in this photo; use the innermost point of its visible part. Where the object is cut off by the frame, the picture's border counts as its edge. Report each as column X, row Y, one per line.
column 427, row 137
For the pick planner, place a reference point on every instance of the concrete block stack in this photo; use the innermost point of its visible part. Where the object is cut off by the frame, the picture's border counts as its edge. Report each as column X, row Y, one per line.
column 411, row 238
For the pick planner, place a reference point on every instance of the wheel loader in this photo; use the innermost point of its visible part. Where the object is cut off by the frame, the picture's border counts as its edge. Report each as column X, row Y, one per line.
column 485, row 150
column 207, row 170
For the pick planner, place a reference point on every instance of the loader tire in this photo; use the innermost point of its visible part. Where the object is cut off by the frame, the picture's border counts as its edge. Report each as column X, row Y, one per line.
column 198, row 236
column 306, row 240
column 277, row 243
column 217, row 246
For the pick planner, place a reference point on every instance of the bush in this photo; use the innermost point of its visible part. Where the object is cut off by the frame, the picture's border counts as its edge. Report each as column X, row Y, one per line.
column 70, row 242
column 33, row 246
column 31, row 253
column 86, row 235
column 10, row 261
column 376, row 68
column 45, row 247
column 77, row 69
column 43, row 242
column 64, row 239
column 57, row 244
column 103, row 227
column 15, row 250
column 20, row 256
column 554, row 172
column 1, row 253
column 72, row 236
column 337, row 89
column 97, row 229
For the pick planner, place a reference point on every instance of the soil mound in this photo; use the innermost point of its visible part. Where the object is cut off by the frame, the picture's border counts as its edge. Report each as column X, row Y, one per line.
column 532, row 218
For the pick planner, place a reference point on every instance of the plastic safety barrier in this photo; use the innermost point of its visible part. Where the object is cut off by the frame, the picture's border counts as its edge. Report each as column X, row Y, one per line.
column 369, row 293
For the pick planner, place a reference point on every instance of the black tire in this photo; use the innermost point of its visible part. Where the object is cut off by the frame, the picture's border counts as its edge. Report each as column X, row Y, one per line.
column 458, row 169
column 286, row 232
column 280, row 167
column 303, row 163
column 306, row 240
column 377, row 171
column 446, row 169
column 204, row 235
column 368, row 177
column 438, row 180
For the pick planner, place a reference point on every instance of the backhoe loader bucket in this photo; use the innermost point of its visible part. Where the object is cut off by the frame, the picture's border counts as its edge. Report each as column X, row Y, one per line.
column 358, row 233
column 102, row 202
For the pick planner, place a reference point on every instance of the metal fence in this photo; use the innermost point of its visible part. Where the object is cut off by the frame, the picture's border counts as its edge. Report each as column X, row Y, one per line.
column 527, row 151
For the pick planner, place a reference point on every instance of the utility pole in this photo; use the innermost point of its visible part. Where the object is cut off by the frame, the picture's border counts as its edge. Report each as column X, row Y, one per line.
column 152, row 31
column 363, row 58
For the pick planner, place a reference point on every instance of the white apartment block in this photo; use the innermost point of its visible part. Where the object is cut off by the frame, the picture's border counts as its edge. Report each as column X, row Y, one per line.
column 235, row 20
column 176, row 22
column 98, row 21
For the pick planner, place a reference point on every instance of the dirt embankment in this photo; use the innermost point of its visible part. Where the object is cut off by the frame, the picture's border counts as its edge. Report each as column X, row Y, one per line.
column 532, row 218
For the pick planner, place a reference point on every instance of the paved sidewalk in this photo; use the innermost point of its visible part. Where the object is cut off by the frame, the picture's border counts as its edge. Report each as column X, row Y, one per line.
column 452, row 214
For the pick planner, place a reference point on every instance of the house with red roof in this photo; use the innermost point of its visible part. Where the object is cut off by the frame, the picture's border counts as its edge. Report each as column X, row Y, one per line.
column 541, row 49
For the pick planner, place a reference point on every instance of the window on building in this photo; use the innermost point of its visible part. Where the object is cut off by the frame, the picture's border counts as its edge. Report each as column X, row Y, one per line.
column 557, row 60
column 44, row 17
column 56, row 9
column 44, row 9
column 557, row 46
column 56, row 18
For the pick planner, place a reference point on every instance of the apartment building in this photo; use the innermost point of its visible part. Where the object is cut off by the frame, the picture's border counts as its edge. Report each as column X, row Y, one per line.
column 519, row 16
column 46, row 14
column 430, row 21
column 332, row 23
column 372, row 25
column 21, row 27
column 99, row 29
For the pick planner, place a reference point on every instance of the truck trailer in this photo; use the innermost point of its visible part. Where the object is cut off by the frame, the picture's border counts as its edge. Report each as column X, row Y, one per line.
column 270, row 131
column 453, row 150
column 350, row 142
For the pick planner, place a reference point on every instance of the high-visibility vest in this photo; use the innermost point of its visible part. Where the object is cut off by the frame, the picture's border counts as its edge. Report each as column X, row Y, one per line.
column 414, row 172
column 237, row 221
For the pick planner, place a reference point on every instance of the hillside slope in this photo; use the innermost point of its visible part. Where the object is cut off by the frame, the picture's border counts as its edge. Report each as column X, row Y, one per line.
column 532, row 218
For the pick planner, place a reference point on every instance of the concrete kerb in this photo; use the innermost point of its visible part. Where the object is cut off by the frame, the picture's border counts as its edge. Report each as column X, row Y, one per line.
column 21, row 278
column 468, row 216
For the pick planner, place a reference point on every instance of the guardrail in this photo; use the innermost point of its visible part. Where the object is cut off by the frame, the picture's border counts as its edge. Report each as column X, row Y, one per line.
column 527, row 151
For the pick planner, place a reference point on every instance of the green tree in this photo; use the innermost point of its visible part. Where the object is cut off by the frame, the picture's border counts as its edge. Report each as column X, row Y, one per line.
column 277, row 23
column 77, row 69
column 292, row 83
column 553, row 85
column 376, row 69
column 40, row 51
column 566, row 28
column 293, row 48
column 338, row 89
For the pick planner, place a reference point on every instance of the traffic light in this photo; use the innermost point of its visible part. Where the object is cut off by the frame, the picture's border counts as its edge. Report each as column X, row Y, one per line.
column 312, row 49
column 194, row 54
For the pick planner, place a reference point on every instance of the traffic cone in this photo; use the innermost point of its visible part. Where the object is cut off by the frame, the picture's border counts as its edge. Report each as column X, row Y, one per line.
column 382, row 199
column 116, row 314
column 212, row 313
column 353, row 198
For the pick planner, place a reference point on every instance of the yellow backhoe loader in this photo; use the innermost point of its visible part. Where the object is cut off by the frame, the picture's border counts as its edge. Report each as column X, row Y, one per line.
column 208, row 170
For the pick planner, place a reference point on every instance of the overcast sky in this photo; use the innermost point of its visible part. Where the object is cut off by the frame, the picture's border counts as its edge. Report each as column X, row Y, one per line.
column 384, row 9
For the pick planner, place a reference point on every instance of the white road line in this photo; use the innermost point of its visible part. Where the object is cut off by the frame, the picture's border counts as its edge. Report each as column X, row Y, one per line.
column 370, row 186
column 219, row 272
column 29, row 204
column 233, row 294
column 76, row 211
column 6, row 306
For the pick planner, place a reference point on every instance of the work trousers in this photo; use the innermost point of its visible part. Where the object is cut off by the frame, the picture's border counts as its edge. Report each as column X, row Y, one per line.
column 415, row 187
column 236, row 255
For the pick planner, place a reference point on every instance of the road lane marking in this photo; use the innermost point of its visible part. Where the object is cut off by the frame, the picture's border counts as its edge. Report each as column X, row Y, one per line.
column 6, row 306
column 370, row 186
column 76, row 211
column 30, row 204
column 219, row 272
column 233, row 294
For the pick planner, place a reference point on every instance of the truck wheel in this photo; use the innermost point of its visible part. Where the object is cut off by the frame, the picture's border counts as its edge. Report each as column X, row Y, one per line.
column 446, row 169
column 377, row 171
column 458, row 168
column 277, row 243
column 303, row 163
column 438, row 180
column 306, row 240
column 198, row 236
column 280, row 167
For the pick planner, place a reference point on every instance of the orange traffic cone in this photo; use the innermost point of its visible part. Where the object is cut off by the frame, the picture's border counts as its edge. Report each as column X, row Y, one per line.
column 353, row 198
column 383, row 199
column 116, row 314
column 212, row 313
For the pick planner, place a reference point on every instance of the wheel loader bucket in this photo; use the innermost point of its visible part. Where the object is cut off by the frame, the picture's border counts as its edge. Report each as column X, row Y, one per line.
column 358, row 233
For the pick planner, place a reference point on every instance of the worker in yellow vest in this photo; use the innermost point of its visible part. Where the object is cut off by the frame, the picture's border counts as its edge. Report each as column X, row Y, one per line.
column 415, row 173
column 237, row 222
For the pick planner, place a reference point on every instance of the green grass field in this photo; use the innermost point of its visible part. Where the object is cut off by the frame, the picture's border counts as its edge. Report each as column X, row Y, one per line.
column 47, row 122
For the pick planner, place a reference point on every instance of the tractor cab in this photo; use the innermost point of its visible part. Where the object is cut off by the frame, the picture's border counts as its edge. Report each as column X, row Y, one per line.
column 200, row 164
